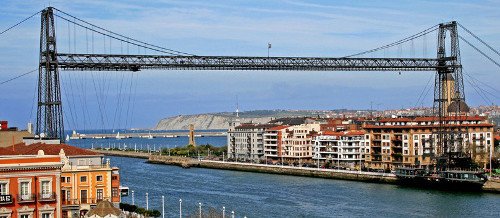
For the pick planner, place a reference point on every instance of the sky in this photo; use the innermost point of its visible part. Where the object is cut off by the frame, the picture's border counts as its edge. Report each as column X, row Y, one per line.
column 244, row 28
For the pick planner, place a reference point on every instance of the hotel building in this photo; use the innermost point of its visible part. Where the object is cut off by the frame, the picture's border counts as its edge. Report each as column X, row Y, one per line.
column 85, row 179
column 29, row 186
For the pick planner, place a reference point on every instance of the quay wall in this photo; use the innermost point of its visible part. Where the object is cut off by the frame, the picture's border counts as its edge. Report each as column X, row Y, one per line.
column 273, row 169
column 492, row 185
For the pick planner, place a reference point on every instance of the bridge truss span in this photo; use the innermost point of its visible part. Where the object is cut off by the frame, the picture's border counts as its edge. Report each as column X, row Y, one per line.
column 119, row 62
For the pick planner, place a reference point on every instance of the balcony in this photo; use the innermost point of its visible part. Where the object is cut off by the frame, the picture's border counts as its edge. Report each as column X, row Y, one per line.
column 396, row 139
column 70, row 202
column 47, row 196
column 27, row 198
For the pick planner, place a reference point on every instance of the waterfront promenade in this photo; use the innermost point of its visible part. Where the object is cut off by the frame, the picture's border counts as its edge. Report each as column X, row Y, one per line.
column 388, row 178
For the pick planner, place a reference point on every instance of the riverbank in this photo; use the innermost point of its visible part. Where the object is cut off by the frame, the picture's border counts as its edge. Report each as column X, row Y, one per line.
column 492, row 186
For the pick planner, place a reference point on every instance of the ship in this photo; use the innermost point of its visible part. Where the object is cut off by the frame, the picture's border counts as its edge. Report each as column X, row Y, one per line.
column 463, row 180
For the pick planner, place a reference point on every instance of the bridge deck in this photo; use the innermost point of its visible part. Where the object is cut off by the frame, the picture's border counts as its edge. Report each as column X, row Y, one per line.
column 110, row 62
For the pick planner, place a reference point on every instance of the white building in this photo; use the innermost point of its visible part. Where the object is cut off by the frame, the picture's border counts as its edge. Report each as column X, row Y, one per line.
column 341, row 149
column 246, row 141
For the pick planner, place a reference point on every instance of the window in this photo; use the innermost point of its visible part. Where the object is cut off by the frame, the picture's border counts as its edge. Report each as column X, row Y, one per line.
column 46, row 189
column 45, row 215
column 68, row 179
column 25, row 190
column 83, row 179
column 99, row 178
column 63, row 179
column 83, row 196
column 99, row 194
column 114, row 192
column 24, row 216
column 4, row 188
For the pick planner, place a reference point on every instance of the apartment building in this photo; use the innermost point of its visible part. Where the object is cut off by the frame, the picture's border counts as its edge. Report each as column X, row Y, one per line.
column 273, row 141
column 297, row 144
column 86, row 178
column 397, row 142
column 342, row 149
column 29, row 186
column 246, row 141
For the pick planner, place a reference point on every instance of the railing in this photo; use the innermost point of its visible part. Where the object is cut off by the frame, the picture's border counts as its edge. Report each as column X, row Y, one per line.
column 86, row 167
column 26, row 198
column 396, row 138
column 93, row 200
column 70, row 202
column 47, row 196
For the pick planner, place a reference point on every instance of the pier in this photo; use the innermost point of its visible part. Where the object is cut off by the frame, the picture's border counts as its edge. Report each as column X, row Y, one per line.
column 127, row 135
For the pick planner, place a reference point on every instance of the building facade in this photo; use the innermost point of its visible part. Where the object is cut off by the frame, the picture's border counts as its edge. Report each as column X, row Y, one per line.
column 246, row 142
column 297, row 144
column 29, row 186
column 273, row 144
column 85, row 177
column 340, row 149
column 398, row 142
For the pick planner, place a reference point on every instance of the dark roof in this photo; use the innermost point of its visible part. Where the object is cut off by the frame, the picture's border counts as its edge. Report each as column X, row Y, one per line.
column 48, row 149
column 255, row 126
column 289, row 121
column 449, row 77
column 103, row 209
column 458, row 106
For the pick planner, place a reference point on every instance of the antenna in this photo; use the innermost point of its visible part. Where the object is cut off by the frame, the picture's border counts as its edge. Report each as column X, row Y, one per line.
column 237, row 107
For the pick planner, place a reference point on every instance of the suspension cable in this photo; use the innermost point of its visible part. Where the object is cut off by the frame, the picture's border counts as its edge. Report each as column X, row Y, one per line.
column 479, row 50
column 479, row 39
column 171, row 51
column 17, row 77
column 20, row 22
column 417, row 35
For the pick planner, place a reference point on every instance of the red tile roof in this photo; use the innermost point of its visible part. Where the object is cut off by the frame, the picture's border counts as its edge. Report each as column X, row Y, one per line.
column 427, row 119
column 48, row 149
column 277, row 128
column 369, row 126
column 345, row 133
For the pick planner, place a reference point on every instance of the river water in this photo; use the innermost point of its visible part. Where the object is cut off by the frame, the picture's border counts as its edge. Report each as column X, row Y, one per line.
column 267, row 195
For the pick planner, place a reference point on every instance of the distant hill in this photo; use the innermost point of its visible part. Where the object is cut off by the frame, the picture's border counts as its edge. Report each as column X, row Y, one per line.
column 221, row 120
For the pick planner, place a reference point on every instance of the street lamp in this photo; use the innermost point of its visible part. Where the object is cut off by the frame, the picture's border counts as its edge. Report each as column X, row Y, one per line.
column 232, row 214
column 133, row 202
column 180, row 208
column 200, row 208
column 223, row 212
column 163, row 206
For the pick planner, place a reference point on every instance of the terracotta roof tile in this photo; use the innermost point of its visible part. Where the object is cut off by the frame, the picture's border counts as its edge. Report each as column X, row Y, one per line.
column 48, row 149
column 277, row 128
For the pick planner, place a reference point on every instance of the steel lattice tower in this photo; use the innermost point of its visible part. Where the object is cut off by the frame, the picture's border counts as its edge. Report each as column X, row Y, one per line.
column 449, row 98
column 49, row 123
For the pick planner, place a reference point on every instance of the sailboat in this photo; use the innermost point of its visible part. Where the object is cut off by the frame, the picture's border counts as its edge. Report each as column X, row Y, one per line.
column 118, row 136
